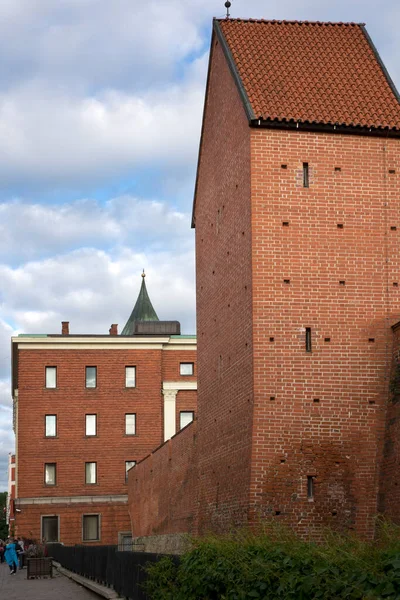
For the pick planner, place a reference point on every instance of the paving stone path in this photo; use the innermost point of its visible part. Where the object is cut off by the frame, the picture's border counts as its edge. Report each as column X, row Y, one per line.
column 17, row 587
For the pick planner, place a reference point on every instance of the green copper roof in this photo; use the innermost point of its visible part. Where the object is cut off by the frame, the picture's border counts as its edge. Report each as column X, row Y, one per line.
column 143, row 310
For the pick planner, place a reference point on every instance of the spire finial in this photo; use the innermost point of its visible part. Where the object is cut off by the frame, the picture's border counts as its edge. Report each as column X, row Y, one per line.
column 227, row 6
column 143, row 274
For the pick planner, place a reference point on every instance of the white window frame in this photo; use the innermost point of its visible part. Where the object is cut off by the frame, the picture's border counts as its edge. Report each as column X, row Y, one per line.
column 49, row 370
column 46, row 428
column 95, row 473
column 55, row 474
column 98, row 515
column 87, row 428
column 185, row 412
column 132, row 464
column 130, row 377
column 91, row 387
column 186, row 364
column 126, row 424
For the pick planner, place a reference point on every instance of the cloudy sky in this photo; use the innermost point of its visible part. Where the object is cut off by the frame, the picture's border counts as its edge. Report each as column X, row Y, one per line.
column 100, row 115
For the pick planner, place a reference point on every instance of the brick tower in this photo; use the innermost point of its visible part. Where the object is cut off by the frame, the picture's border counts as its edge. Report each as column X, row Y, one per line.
column 298, row 277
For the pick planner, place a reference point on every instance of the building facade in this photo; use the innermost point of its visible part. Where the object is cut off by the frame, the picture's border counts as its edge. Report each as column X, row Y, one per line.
column 10, row 506
column 296, row 213
column 87, row 408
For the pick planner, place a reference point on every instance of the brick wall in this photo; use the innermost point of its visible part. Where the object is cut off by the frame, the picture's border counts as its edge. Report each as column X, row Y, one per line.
column 289, row 432
column 163, row 488
column 390, row 482
column 326, row 258
column 224, row 306
column 71, row 401
column 114, row 520
column 71, row 448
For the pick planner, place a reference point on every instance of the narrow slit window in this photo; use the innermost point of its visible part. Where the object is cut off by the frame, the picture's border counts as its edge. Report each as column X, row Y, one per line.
column 310, row 487
column 308, row 339
column 306, row 175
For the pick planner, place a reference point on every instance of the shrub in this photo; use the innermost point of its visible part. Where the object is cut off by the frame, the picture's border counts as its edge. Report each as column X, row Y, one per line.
column 275, row 566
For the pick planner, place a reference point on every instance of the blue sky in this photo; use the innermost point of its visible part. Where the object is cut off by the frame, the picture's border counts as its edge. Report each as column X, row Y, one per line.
column 100, row 116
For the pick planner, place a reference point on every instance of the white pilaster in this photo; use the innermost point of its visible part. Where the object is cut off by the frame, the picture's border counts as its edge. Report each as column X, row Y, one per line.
column 169, row 413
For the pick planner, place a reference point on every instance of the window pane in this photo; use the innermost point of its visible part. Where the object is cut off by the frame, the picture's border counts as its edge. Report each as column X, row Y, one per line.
column 186, row 369
column 50, row 473
column 91, row 472
column 186, row 418
column 51, row 425
column 91, row 424
column 91, row 373
column 128, row 465
column 130, row 376
column 130, row 424
column 50, row 529
column 51, row 377
column 90, row 527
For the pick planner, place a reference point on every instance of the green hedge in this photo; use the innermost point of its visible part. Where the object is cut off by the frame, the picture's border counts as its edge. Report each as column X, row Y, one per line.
column 271, row 567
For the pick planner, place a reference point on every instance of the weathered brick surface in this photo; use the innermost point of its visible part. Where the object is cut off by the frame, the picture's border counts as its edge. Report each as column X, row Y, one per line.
column 273, row 258
column 163, row 488
column 389, row 498
column 224, row 306
column 110, row 448
column 338, row 439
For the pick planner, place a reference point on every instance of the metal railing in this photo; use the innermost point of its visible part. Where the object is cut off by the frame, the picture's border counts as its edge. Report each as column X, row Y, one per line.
column 124, row 571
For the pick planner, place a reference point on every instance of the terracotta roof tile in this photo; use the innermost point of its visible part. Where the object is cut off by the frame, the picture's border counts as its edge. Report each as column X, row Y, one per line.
column 325, row 73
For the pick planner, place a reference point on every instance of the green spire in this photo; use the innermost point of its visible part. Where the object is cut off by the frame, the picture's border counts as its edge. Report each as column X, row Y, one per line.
column 143, row 310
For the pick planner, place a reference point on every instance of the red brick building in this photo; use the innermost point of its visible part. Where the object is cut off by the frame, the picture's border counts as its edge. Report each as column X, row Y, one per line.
column 296, row 211
column 87, row 408
column 10, row 515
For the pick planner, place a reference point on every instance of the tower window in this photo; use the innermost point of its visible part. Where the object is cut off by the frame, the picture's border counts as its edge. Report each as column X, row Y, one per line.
column 310, row 487
column 308, row 339
column 306, row 176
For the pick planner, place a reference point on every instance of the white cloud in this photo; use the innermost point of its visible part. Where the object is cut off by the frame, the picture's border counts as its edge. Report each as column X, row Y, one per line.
column 53, row 229
column 53, row 136
column 91, row 289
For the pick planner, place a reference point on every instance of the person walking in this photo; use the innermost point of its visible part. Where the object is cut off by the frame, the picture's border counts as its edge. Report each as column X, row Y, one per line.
column 11, row 556
column 2, row 549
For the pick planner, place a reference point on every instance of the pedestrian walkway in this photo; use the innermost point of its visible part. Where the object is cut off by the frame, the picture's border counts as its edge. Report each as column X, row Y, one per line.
column 15, row 587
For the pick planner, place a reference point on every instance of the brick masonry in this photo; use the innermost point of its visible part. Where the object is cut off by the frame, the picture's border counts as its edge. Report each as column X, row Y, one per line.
column 389, row 498
column 288, row 432
column 71, row 448
column 163, row 488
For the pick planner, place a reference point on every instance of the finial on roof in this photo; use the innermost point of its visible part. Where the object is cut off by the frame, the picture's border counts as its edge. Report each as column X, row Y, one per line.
column 227, row 6
column 143, row 274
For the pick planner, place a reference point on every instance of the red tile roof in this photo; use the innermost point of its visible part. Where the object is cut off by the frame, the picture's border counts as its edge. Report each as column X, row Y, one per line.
column 319, row 73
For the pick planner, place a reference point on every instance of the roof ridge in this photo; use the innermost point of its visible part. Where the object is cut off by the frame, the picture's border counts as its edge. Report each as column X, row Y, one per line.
column 293, row 22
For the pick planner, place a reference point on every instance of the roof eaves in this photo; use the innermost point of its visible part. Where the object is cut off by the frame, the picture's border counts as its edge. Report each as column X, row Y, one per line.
column 381, row 64
column 324, row 126
column 232, row 66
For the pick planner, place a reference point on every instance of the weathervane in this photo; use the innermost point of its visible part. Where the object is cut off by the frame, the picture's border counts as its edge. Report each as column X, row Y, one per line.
column 143, row 274
column 227, row 6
